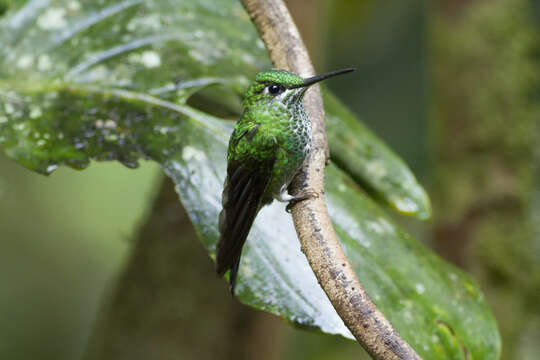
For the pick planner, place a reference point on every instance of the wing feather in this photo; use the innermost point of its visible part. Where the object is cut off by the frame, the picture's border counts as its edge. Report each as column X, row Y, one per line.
column 242, row 195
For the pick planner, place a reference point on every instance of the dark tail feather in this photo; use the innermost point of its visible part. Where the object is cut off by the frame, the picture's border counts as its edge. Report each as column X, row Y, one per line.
column 235, row 230
column 242, row 196
column 232, row 276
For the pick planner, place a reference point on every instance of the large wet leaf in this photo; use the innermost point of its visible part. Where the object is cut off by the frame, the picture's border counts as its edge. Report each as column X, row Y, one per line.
column 357, row 151
column 149, row 47
column 122, row 80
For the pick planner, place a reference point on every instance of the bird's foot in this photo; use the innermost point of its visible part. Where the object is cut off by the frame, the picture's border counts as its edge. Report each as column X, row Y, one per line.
column 301, row 197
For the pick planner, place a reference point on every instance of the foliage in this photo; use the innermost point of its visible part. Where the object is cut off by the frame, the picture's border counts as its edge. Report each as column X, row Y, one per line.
column 124, row 80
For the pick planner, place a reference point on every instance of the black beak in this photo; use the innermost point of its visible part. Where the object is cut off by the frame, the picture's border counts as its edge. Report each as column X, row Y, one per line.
column 315, row 79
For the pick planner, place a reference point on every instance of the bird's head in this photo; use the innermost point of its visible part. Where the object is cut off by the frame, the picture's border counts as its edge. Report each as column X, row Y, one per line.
column 282, row 87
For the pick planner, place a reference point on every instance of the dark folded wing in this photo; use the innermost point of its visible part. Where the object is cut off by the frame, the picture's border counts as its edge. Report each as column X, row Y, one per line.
column 242, row 195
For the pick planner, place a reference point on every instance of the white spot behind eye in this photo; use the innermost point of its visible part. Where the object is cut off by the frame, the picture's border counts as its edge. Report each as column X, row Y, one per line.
column 281, row 89
column 267, row 90
column 279, row 97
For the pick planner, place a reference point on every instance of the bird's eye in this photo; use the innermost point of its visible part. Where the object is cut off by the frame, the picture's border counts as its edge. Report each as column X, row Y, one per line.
column 275, row 89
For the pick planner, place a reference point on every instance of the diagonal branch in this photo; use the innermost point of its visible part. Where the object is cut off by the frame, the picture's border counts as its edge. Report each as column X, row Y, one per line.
column 315, row 232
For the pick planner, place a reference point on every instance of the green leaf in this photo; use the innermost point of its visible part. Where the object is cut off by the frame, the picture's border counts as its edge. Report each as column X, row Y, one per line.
column 430, row 302
column 119, row 80
column 173, row 55
column 357, row 151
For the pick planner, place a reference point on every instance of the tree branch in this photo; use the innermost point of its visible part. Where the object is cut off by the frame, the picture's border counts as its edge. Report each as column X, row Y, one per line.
column 315, row 232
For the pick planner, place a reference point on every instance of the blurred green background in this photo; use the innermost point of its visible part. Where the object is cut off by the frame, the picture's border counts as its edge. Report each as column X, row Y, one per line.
column 450, row 85
column 56, row 266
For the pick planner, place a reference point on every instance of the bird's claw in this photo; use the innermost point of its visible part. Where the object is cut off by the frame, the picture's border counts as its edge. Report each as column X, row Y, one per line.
column 301, row 197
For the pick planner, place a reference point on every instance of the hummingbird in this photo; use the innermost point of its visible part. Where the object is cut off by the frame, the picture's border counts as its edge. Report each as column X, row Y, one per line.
column 266, row 149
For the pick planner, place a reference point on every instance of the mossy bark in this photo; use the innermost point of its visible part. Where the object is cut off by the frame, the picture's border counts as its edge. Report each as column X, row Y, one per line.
column 484, row 140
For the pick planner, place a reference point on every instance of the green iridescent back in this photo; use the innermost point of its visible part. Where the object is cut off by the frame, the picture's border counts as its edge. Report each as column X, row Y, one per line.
column 273, row 127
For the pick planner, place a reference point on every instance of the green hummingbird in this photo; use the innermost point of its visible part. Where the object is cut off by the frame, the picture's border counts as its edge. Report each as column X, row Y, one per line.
column 267, row 147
